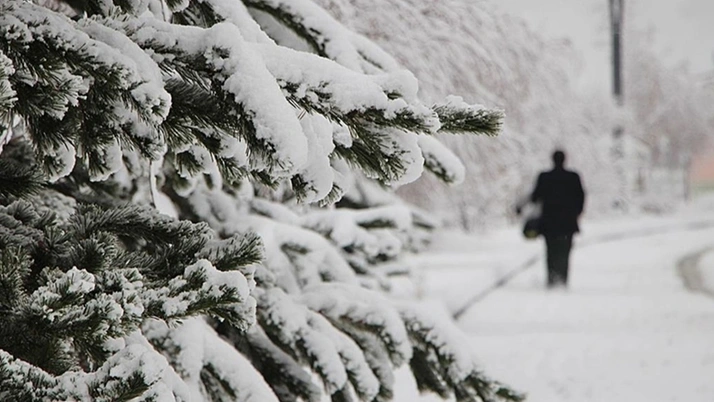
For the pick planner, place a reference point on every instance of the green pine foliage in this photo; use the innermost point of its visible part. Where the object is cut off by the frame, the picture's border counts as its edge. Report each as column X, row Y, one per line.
column 70, row 289
column 192, row 209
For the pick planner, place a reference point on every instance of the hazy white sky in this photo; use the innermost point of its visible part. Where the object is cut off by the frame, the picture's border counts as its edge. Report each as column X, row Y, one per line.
column 683, row 29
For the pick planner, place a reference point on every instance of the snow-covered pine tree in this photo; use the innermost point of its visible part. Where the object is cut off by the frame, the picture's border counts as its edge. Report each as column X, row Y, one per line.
column 247, row 120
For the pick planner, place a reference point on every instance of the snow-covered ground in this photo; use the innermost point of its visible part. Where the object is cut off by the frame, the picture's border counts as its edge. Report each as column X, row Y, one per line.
column 626, row 329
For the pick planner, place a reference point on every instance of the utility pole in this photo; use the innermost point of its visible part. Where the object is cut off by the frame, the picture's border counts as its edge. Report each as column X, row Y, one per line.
column 618, row 148
column 616, row 17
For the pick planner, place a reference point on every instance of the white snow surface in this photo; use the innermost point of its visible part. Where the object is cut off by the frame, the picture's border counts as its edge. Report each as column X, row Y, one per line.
column 626, row 328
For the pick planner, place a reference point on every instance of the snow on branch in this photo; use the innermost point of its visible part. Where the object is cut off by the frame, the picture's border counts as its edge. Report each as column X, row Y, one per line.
column 441, row 161
column 287, row 377
column 327, row 36
column 78, row 92
column 443, row 362
column 97, row 283
column 364, row 235
column 204, row 290
column 25, row 381
column 365, row 309
column 300, row 257
column 7, row 96
column 207, row 12
column 237, row 71
column 134, row 371
column 292, row 326
column 205, row 361
column 457, row 116
column 346, row 96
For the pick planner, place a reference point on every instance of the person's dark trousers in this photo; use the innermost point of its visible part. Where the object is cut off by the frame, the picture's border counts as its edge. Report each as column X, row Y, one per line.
column 558, row 255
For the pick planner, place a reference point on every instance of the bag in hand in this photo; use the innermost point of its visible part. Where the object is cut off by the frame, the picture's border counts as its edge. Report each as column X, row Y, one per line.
column 531, row 229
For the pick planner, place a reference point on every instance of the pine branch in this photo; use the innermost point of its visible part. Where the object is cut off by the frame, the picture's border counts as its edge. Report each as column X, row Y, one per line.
column 458, row 117
column 317, row 85
column 235, row 252
column 14, row 270
column 367, row 152
column 202, row 289
column 193, row 108
column 287, row 377
column 74, row 91
column 324, row 104
column 441, row 161
column 376, row 355
column 289, row 16
column 240, row 105
column 319, row 30
column 198, row 13
column 22, row 382
column 18, row 181
column 364, row 309
column 440, row 365
column 7, row 94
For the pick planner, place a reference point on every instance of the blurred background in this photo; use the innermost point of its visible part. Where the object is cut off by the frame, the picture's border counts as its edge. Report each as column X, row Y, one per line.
column 549, row 65
column 635, row 323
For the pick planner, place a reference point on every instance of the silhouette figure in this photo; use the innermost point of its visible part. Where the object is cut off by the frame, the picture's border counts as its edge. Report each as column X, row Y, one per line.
column 562, row 198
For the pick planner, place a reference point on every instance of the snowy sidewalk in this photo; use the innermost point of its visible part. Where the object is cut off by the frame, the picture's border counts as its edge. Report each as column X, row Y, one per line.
column 627, row 329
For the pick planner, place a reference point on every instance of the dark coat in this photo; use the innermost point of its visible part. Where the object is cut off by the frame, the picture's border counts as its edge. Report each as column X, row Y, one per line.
column 562, row 198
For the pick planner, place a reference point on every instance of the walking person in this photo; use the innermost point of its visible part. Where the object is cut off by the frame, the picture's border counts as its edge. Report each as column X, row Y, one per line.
column 562, row 198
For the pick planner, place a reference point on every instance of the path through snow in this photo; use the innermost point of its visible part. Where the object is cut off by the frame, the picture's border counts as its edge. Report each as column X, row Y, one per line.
column 627, row 329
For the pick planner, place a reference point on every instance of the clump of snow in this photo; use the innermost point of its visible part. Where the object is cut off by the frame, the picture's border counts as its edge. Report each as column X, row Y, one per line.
column 346, row 90
column 80, row 281
column 326, row 261
column 444, row 338
column 317, row 172
column 339, row 43
column 255, row 89
column 341, row 135
column 356, row 228
column 237, row 13
column 358, row 370
column 183, row 297
column 200, row 350
column 292, row 321
column 63, row 158
column 407, row 147
column 111, row 157
column 217, row 281
column 442, row 160
column 364, row 308
column 242, row 70
column 279, row 212
column 150, row 93
column 162, row 202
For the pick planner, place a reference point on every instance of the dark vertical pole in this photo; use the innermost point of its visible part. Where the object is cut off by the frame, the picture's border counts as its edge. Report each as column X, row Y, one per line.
column 616, row 11
column 618, row 152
